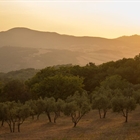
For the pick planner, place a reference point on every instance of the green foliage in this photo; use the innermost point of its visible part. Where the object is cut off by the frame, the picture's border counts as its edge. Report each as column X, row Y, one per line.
column 40, row 107
column 22, row 74
column 90, row 75
column 49, row 106
column 34, row 109
column 57, row 86
column 15, row 90
column 136, row 95
column 70, row 108
column 13, row 113
column 58, row 108
column 22, row 112
column 129, row 91
column 77, row 106
column 101, row 101
column 123, row 104
column 59, row 105
column 115, row 82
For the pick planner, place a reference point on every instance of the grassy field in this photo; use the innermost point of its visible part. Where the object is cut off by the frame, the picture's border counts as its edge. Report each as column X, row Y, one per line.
column 89, row 128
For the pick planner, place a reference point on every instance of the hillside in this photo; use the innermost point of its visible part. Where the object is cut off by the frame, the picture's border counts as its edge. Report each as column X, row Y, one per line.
column 22, row 74
column 22, row 48
column 89, row 128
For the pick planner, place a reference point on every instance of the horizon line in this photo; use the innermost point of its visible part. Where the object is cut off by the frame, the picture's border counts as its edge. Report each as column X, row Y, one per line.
column 70, row 34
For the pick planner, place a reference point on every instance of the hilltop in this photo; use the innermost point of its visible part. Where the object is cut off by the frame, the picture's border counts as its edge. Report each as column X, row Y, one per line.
column 22, row 48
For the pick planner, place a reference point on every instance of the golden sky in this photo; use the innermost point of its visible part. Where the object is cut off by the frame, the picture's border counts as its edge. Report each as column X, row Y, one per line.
column 100, row 18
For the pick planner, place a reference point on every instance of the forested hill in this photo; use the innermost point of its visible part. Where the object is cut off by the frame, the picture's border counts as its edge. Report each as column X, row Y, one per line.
column 71, row 89
column 22, row 48
column 22, row 75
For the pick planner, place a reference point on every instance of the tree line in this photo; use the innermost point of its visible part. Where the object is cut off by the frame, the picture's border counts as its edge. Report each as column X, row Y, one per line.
column 73, row 91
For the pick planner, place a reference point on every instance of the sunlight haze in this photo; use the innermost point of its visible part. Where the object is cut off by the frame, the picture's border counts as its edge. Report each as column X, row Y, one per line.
column 108, row 19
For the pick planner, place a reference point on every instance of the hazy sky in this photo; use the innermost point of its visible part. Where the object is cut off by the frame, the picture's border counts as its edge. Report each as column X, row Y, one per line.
column 104, row 18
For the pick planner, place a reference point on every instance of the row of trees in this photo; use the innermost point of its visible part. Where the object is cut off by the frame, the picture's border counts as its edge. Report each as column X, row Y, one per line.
column 15, row 113
column 73, row 90
column 76, row 106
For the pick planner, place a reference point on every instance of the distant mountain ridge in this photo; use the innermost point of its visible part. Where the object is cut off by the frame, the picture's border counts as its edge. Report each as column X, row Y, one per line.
column 25, row 48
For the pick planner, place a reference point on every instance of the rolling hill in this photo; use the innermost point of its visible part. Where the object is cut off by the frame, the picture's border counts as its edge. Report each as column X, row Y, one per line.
column 22, row 48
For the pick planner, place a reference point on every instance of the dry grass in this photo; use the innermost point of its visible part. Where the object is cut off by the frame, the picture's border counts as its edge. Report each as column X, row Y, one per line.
column 89, row 128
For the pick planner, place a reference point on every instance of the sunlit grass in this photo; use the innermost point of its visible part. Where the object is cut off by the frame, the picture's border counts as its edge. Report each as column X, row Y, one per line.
column 90, row 127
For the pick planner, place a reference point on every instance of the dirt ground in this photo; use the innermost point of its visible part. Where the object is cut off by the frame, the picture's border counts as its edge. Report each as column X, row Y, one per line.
column 90, row 127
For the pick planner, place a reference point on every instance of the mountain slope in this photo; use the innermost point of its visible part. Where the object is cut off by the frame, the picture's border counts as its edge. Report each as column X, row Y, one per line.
column 23, row 48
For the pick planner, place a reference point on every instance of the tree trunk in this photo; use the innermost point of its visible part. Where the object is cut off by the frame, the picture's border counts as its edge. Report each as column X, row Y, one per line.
column 100, row 113
column 2, row 122
column 32, row 117
column 75, row 123
column 59, row 114
column 76, row 120
column 13, row 127
column 49, row 117
column 55, row 117
column 9, row 123
column 10, row 127
column 125, row 114
column 18, row 127
column 104, row 113
column 20, row 121
column 38, row 116
column 126, row 117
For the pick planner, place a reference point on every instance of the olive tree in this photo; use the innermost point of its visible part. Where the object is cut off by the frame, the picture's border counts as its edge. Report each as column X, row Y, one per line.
column 101, row 100
column 23, row 111
column 77, row 106
column 49, row 106
column 124, row 105
column 58, row 107
column 14, row 113
column 40, row 107
column 9, row 114
column 32, row 104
